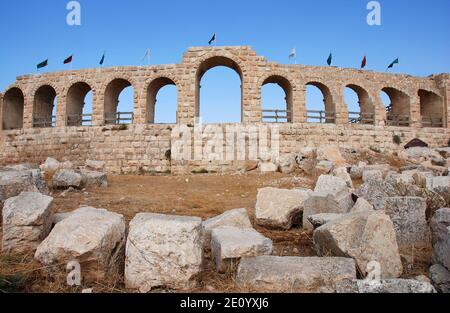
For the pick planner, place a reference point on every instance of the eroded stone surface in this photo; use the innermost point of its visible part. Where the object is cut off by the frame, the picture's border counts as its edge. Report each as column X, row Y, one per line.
column 294, row 274
column 229, row 244
column 237, row 218
column 409, row 217
column 279, row 208
column 163, row 250
column 93, row 237
column 27, row 220
column 364, row 236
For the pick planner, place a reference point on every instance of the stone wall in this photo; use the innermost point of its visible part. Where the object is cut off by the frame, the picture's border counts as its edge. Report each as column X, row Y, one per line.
column 254, row 71
column 144, row 148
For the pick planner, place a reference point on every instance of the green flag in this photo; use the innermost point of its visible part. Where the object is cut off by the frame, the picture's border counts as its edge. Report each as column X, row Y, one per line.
column 42, row 64
column 330, row 59
column 392, row 64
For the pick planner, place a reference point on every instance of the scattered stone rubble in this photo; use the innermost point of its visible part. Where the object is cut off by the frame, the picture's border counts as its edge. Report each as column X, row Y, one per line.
column 294, row 274
column 93, row 237
column 352, row 229
column 280, row 208
column 13, row 181
column 236, row 218
column 229, row 244
column 163, row 251
column 27, row 220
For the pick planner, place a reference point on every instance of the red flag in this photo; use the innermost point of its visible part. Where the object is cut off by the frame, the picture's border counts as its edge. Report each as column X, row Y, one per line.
column 364, row 62
column 68, row 60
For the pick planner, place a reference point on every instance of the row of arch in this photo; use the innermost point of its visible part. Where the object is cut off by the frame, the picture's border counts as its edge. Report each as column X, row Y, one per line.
column 77, row 113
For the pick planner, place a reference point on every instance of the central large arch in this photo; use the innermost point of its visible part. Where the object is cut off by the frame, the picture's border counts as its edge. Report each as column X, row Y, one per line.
column 44, row 107
column 208, row 64
column 13, row 104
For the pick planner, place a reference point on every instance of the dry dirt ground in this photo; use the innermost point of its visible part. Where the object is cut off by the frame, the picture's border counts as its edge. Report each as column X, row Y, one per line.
column 202, row 195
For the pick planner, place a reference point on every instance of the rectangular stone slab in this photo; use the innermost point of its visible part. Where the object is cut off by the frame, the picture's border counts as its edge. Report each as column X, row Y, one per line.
column 294, row 274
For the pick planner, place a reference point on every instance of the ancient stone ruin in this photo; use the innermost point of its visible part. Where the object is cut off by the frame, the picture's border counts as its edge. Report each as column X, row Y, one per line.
column 418, row 108
column 364, row 203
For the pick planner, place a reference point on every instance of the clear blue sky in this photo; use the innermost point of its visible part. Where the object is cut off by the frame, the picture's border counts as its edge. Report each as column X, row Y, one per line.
column 416, row 31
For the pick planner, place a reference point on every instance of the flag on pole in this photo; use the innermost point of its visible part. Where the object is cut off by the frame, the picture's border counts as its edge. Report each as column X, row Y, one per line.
column 396, row 61
column 146, row 56
column 103, row 59
column 213, row 39
column 364, row 62
column 293, row 53
column 330, row 59
column 42, row 64
column 68, row 60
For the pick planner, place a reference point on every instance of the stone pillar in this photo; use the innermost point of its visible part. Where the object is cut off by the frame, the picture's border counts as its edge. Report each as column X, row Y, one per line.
column 341, row 106
column 140, row 103
column 61, row 103
column 98, row 107
column 379, row 108
column 250, row 102
column 447, row 105
column 1, row 111
column 28, row 111
column 414, row 111
column 187, row 99
column 298, row 104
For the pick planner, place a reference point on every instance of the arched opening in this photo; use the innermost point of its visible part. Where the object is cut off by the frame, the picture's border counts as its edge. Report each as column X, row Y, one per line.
column 162, row 101
column 320, row 107
column 79, row 105
column 219, row 91
column 397, row 105
column 119, row 102
column 431, row 109
column 13, row 102
column 276, row 99
column 44, row 109
column 360, row 107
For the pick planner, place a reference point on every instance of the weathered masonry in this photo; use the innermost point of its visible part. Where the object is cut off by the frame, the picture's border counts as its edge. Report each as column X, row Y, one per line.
column 32, row 129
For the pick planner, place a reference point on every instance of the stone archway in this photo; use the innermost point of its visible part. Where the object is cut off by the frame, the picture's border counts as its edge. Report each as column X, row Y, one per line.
column 328, row 114
column 13, row 106
column 286, row 86
column 43, row 107
column 111, row 103
column 75, row 103
column 398, row 110
column 208, row 64
column 431, row 109
column 366, row 114
column 152, row 93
